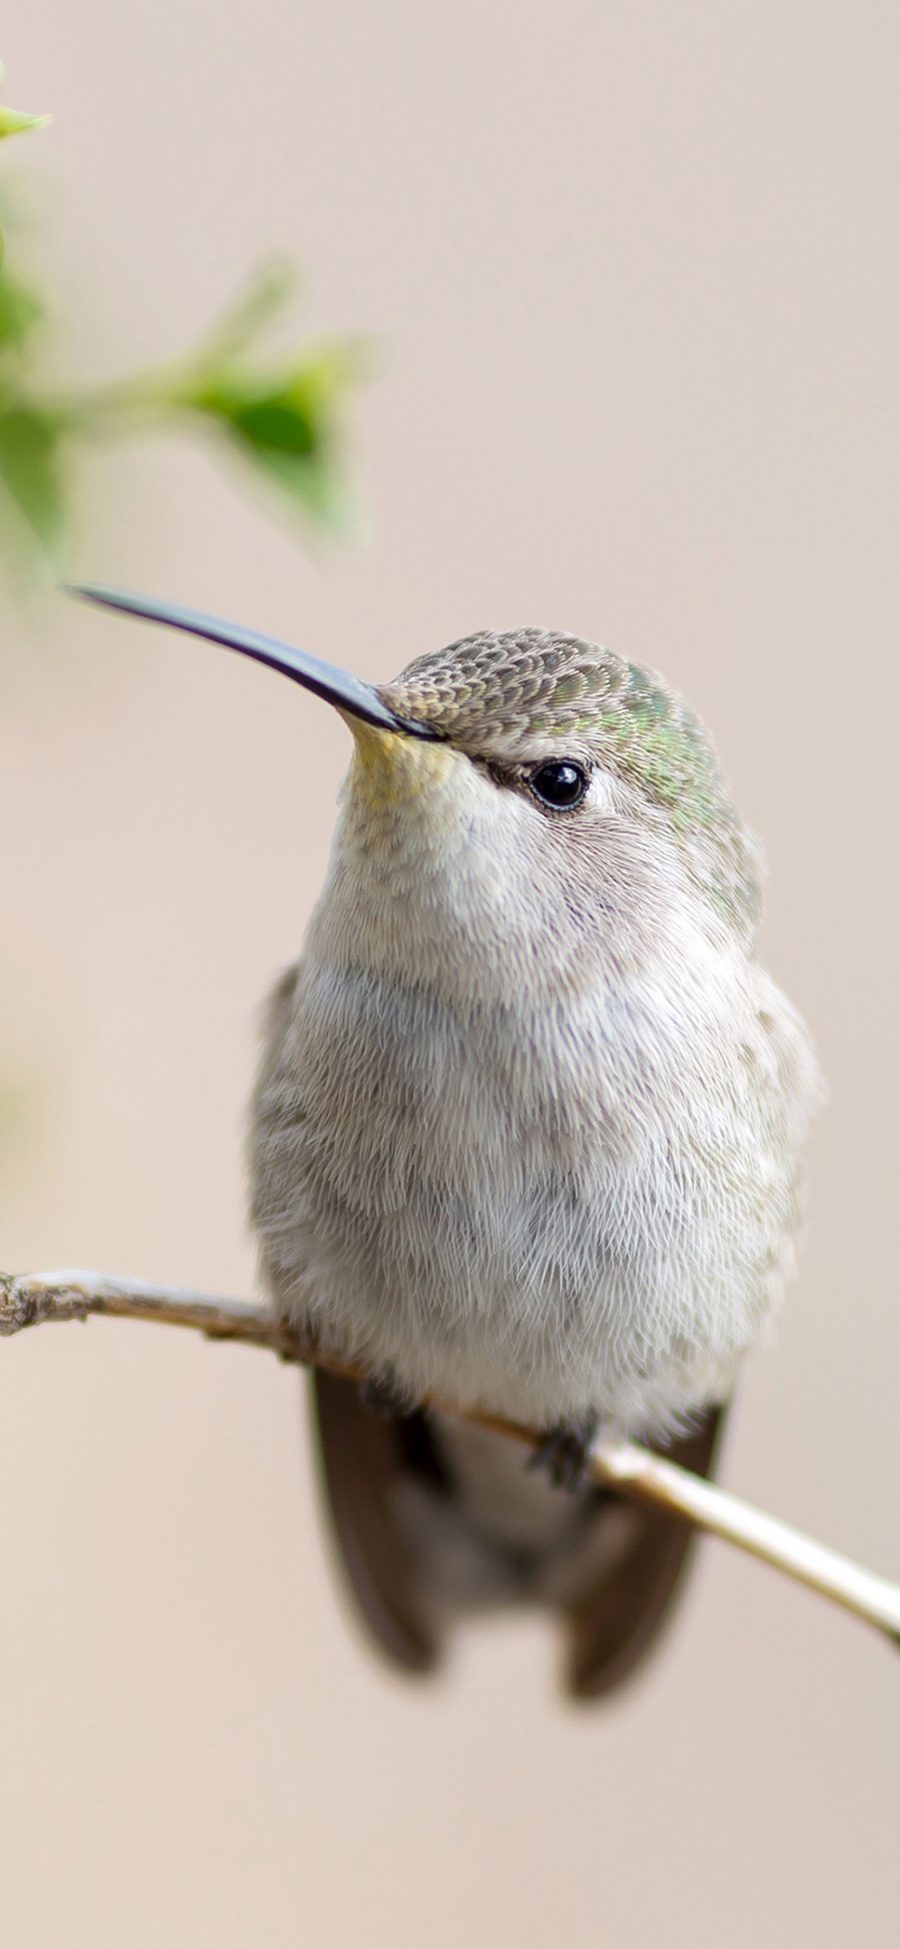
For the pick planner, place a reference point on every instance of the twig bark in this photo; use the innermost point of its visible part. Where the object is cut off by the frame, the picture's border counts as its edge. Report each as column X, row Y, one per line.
column 30, row 1299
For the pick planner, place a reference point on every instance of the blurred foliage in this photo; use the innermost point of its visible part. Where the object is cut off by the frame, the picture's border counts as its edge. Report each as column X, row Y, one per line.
column 12, row 120
column 282, row 413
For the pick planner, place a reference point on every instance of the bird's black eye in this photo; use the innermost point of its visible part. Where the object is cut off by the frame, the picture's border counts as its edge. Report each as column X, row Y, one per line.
column 561, row 784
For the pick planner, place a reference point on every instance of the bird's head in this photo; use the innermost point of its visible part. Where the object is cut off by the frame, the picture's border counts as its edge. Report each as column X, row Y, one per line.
column 527, row 774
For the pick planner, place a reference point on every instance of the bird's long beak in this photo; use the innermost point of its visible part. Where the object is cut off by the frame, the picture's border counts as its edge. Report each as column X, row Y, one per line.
column 350, row 694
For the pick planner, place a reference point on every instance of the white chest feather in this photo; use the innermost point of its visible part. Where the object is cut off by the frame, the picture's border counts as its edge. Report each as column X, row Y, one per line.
column 539, row 1209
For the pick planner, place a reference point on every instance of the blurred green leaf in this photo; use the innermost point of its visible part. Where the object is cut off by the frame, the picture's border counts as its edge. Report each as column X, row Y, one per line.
column 266, row 294
column 332, row 367
column 288, row 423
column 31, row 472
column 275, row 414
column 20, row 312
column 13, row 122
column 285, row 418
column 312, row 482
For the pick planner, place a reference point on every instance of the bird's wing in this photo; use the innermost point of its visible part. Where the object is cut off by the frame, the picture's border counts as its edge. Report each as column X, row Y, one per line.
column 615, row 1621
column 364, row 1455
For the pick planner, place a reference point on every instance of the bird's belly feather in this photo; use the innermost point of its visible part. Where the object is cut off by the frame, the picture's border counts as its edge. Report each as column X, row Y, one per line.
column 496, row 1210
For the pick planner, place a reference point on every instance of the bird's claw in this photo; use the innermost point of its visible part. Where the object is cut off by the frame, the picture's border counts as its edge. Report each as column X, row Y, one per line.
column 565, row 1452
column 384, row 1396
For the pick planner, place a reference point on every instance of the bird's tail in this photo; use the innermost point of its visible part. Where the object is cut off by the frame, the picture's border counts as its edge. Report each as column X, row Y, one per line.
column 434, row 1518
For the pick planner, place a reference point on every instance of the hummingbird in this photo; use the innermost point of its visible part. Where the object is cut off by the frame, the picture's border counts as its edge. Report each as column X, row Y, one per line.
column 526, row 1135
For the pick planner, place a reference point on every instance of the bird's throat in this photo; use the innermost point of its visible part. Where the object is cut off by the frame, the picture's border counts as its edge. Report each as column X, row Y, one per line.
column 390, row 771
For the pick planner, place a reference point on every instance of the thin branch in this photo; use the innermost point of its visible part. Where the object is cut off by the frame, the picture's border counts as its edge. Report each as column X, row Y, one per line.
column 33, row 1298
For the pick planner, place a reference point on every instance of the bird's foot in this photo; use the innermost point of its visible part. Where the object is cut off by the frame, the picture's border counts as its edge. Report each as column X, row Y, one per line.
column 565, row 1452
column 383, row 1394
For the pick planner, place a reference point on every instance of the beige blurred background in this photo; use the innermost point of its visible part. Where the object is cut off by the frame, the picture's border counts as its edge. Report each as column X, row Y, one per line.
column 635, row 272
